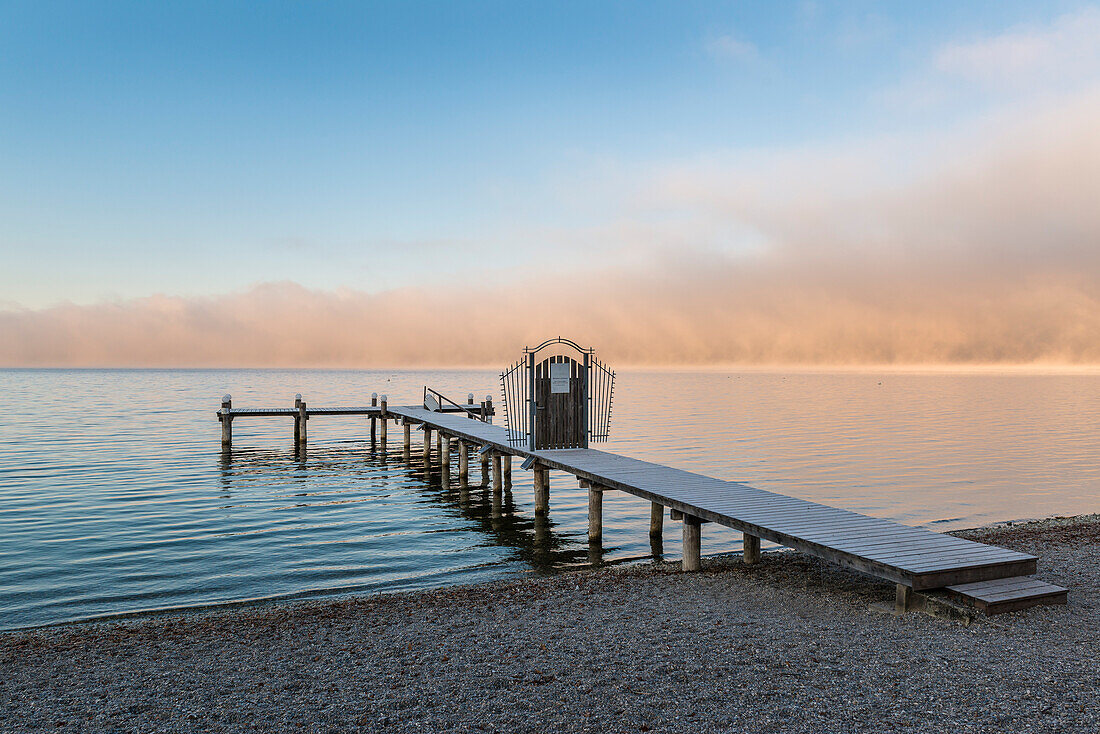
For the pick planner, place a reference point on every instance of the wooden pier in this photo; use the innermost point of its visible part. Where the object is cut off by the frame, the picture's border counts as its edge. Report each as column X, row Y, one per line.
column 917, row 560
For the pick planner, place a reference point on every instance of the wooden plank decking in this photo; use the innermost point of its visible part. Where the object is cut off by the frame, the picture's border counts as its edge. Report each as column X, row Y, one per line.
column 1006, row 595
column 367, row 410
column 915, row 557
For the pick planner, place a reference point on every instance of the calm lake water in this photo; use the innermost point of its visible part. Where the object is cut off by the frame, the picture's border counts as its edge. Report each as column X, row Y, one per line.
column 115, row 496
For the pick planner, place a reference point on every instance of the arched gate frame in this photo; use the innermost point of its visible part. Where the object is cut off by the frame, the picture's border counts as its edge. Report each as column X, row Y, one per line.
column 557, row 397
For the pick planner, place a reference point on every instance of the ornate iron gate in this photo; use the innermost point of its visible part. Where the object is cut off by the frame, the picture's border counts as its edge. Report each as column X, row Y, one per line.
column 557, row 401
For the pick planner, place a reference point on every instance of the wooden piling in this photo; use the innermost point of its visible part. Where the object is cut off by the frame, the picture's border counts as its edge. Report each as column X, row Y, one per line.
column 656, row 547
column 903, row 598
column 445, row 460
column 485, row 469
column 542, row 491
column 507, row 459
column 227, row 421
column 297, row 428
column 385, row 422
column 751, row 552
column 498, row 481
column 303, row 419
column 463, row 463
column 427, row 446
column 692, row 541
column 595, row 514
column 373, row 421
column 656, row 520
column 407, row 440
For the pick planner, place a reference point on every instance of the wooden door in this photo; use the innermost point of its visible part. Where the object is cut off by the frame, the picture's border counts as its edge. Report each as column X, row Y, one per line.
column 560, row 397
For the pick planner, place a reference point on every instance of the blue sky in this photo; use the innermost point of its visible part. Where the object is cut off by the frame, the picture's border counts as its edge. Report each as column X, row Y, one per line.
column 200, row 148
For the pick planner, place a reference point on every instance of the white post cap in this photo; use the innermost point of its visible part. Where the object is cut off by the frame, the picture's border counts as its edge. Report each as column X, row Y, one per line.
column 383, row 398
column 298, row 396
column 226, row 398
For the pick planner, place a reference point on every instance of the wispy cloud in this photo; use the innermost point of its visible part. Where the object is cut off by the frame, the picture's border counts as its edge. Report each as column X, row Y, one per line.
column 1015, row 66
column 1066, row 49
column 728, row 47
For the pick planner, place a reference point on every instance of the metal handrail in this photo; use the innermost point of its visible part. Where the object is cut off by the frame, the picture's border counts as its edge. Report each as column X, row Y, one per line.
column 474, row 412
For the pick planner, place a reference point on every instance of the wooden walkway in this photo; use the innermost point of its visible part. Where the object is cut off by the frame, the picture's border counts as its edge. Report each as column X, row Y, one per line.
column 991, row 578
column 367, row 410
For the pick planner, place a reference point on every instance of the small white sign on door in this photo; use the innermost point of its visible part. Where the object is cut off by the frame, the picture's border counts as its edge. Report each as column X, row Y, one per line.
column 559, row 377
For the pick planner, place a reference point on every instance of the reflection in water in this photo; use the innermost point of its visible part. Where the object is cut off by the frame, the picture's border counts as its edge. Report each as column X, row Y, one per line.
column 529, row 540
column 109, row 506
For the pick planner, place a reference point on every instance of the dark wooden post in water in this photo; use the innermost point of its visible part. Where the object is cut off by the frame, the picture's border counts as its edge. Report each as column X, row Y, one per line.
column 303, row 418
column 484, row 468
column 595, row 513
column 297, row 428
column 507, row 459
column 227, row 421
column 385, row 420
column 463, row 463
column 751, row 553
column 445, row 460
column 542, row 490
column 427, row 447
column 498, row 482
column 691, row 544
column 656, row 520
column 407, row 440
column 498, row 504
column 373, row 420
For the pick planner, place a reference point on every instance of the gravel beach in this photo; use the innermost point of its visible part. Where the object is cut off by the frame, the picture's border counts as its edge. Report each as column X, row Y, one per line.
column 790, row 645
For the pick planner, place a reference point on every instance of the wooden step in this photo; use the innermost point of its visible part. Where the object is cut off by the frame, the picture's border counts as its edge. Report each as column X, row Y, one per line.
column 1007, row 595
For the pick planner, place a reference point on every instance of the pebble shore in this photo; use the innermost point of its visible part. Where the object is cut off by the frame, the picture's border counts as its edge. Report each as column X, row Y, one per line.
column 789, row 645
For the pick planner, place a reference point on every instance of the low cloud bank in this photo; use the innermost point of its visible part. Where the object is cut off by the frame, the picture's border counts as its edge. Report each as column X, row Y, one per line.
column 980, row 249
column 725, row 315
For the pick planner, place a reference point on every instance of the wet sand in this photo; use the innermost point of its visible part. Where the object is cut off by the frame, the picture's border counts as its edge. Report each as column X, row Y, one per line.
column 790, row 645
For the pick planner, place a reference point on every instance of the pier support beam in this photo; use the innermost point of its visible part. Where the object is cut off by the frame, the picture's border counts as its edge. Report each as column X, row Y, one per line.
column 507, row 459
column 445, row 460
column 485, row 469
column 373, row 421
column 498, row 479
column 385, row 422
column 903, row 598
column 407, row 440
column 542, row 490
column 464, row 463
column 656, row 520
column 427, row 447
column 751, row 553
column 303, row 419
column 227, row 422
column 297, row 428
column 692, row 538
column 595, row 514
